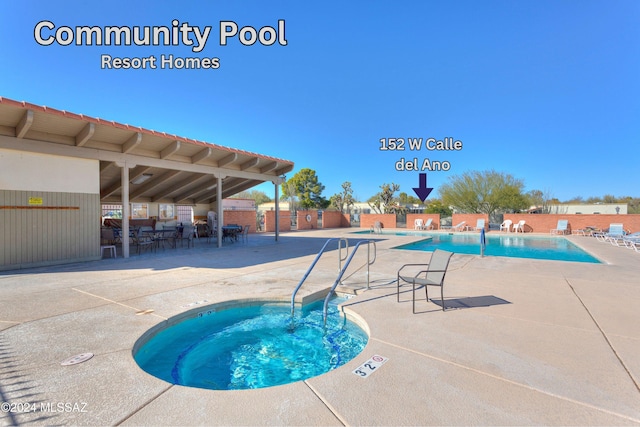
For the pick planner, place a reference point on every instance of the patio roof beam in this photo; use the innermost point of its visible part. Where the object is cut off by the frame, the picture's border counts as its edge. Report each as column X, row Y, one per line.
column 153, row 183
column 85, row 134
column 25, row 124
column 170, row 149
column 132, row 142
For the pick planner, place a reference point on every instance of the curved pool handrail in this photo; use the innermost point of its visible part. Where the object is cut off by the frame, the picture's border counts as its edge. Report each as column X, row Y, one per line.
column 315, row 261
column 343, row 269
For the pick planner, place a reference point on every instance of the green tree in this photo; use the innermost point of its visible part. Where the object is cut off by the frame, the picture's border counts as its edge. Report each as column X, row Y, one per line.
column 409, row 200
column 540, row 199
column 437, row 207
column 385, row 201
column 484, row 192
column 343, row 201
column 307, row 188
column 258, row 196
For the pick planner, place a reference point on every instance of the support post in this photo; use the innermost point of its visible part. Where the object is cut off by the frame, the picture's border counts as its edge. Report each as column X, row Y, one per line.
column 126, row 207
column 277, row 198
column 219, row 210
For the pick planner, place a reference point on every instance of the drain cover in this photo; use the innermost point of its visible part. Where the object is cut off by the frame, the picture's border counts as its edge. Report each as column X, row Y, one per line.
column 78, row 358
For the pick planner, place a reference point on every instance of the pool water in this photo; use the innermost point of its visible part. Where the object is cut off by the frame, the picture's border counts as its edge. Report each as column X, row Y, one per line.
column 252, row 346
column 547, row 248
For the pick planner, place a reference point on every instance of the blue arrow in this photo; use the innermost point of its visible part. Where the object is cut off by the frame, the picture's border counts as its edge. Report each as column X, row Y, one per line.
column 422, row 191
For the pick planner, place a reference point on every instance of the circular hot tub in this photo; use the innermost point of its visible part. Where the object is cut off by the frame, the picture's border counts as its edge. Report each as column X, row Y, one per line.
column 250, row 345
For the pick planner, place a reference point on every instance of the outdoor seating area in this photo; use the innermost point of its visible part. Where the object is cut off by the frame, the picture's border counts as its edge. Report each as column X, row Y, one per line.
column 148, row 239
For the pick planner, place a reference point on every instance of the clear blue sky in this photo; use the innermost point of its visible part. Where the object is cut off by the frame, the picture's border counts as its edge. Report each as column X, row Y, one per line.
column 548, row 91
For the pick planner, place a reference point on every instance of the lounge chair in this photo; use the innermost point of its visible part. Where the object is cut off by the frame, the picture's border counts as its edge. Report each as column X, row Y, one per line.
column 506, row 225
column 561, row 228
column 428, row 225
column 479, row 224
column 616, row 231
column 433, row 275
column 632, row 241
column 418, row 224
column 519, row 226
column 458, row 227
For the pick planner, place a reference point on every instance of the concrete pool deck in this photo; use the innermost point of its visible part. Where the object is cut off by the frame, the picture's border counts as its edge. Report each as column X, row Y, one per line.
column 523, row 342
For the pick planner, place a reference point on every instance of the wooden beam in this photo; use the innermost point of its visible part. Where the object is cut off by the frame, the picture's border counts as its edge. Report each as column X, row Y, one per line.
column 269, row 167
column 228, row 159
column 111, row 189
column 24, row 124
column 170, row 149
column 177, row 186
column 250, row 164
column 132, row 143
column 152, row 183
column 201, row 155
column 210, row 183
column 85, row 134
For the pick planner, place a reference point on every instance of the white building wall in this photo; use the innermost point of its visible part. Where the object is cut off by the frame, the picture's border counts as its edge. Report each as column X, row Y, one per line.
column 23, row 171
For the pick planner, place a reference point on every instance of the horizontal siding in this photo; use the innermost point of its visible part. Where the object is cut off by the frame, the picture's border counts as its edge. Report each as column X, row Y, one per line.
column 64, row 228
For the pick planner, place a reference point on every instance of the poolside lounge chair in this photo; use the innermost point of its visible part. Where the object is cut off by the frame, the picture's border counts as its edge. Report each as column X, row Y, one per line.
column 506, row 225
column 458, row 227
column 519, row 226
column 433, row 275
column 561, row 228
column 428, row 225
column 479, row 224
column 615, row 232
column 632, row 241
column 418, row 224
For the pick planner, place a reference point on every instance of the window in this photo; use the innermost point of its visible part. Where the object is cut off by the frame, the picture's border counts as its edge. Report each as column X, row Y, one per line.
column 185, row 214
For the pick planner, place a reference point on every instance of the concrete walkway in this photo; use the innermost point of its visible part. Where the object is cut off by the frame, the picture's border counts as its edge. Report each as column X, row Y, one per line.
column 523, row 342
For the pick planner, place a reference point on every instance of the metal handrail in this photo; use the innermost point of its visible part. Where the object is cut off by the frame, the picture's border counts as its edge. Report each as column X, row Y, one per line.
column 315, row 261
column 343, row 269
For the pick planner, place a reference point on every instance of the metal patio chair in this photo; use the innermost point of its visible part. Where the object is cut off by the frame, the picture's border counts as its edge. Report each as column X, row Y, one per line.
column 433, row 275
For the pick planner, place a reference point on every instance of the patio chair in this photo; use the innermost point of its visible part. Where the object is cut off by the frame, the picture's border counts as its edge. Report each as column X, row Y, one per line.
column 428, row 225
column 107, row 242
column 632, row 241
column 418, row 224
column 479, row 224
column 561, row 228
column 143, row 240
column 615, row 232
column 245, row 233
column 519, row 226
column 458, row 227
column 433, row 275
column 188, row 233
column 506, row 225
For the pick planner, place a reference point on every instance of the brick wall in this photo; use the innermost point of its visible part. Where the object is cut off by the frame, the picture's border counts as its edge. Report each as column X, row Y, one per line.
column 303, row 223
column 241, row 218
column 470, row 219
column 270, row 221
column 435, row 220
column 335, row 219
column 387, row 220
column 543, row 223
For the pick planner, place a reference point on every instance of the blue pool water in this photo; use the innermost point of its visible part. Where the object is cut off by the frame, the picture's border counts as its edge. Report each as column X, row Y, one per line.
column 548, row 248
column 252, row 346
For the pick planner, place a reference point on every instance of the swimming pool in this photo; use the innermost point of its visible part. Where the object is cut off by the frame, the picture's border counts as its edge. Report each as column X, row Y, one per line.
column 252, row 346
column 535, row 247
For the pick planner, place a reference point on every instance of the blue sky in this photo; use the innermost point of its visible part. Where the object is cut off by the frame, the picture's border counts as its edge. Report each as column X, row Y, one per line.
column 548, row 91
